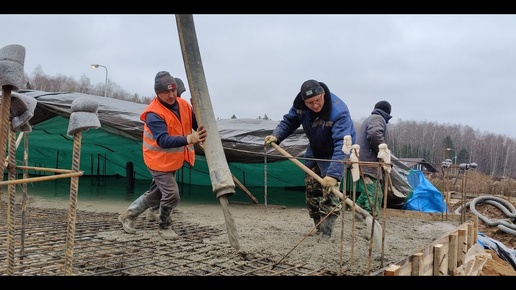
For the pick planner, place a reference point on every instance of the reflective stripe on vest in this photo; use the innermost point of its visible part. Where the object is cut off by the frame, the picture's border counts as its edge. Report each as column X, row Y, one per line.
column 168, row 159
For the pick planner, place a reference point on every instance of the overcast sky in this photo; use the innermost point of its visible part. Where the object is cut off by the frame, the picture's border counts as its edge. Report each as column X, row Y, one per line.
column 448, row 69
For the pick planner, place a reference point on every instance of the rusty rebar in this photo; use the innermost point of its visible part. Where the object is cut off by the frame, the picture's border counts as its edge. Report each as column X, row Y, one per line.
column 11, row 200
column 72, row 209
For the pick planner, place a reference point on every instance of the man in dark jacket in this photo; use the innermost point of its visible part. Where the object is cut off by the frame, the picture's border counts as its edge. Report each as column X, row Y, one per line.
column 325, row 118
column 371, row 134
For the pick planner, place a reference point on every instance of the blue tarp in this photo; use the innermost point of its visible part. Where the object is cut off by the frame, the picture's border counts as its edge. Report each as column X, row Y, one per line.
column 507, row 254
column 425, row 197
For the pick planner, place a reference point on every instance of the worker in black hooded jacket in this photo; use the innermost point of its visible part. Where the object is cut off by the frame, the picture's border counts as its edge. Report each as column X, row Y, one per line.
column 370, row 135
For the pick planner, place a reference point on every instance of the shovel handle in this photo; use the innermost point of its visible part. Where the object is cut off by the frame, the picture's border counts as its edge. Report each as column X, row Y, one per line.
column 319, row 179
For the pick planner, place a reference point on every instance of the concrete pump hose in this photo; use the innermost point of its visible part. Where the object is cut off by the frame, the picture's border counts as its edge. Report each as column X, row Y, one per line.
column 506, row 207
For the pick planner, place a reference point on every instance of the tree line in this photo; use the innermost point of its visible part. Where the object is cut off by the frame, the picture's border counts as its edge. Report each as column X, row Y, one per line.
column 493, row 153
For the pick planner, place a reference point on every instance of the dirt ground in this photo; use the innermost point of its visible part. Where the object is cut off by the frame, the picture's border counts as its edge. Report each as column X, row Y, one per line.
column 497, row 266
column 283, row 233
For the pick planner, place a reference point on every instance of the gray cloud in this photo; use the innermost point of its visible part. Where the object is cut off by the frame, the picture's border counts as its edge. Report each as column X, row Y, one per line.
column 456, row 69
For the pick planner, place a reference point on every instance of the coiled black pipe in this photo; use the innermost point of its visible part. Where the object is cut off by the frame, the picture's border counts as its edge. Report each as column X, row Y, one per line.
column 506, row 207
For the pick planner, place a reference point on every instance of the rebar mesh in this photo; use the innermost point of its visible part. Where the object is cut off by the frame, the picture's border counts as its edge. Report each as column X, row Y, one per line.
column 99, row 250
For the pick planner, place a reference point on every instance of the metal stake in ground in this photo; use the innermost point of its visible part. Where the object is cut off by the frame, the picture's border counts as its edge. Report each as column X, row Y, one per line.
column 83, row 117
column 12, row 60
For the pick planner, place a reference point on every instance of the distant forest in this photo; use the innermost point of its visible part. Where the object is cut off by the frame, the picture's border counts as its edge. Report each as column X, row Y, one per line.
column 431, row 141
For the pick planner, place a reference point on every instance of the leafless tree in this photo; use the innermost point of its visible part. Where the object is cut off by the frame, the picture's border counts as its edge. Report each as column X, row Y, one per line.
column 495, row 154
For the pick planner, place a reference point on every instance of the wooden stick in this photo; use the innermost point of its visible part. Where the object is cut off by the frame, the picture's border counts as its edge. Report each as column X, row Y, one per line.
column 238, row 183
column 377, row 230
column 46, row 169
column 335, row 191
column 242, row 186
column 41, row 178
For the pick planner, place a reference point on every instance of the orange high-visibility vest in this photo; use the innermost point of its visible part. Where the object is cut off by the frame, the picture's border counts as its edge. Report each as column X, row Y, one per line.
column 168, row 159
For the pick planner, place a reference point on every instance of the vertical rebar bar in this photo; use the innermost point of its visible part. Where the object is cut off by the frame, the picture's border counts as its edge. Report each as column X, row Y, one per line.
column 10, row 205
column 5, row 106
column 72, row 209
column 24, row 189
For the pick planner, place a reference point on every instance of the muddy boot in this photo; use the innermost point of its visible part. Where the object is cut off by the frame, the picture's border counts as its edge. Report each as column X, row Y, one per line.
column 153, row 214
column 133, row 211
column 127, row 222
column 327, row 227
column 165, row 231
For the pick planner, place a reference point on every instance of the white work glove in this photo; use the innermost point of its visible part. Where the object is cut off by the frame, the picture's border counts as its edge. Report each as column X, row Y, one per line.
column 346, row 147
column 355, row 169
column 385, row 154
column 270, row 139
column 197, row 136
column 328, row 183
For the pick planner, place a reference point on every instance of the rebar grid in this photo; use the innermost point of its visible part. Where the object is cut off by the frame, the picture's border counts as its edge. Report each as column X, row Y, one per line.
column 97, row 253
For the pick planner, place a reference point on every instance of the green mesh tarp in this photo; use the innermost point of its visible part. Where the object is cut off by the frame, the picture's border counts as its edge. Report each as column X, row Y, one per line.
column 115, row 148
column 104, row 153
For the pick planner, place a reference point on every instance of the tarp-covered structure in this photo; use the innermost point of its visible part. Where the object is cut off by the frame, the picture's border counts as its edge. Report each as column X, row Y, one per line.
column 107, row 151
column 116, row 146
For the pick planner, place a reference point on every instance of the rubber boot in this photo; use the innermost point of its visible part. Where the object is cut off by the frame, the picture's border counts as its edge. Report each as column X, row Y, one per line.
column 327, row 227
column 153, row 214
column 165, row 231
column 133, row 211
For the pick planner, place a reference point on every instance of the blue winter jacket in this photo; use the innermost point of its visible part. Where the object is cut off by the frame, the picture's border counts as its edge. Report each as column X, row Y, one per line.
column 325, row 132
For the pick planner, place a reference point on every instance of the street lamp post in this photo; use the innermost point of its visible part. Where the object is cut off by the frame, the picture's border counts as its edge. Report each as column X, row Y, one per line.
column 454, row 158
column 105, row 86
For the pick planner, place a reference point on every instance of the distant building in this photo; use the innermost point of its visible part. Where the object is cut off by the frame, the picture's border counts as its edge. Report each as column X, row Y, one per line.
column 419, row 164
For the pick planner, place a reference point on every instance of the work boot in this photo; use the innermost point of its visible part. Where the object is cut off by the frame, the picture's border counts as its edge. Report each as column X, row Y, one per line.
column 327, row 227
column 153, row 214
column 133, row 211
column 165, row 230
column 127, row 222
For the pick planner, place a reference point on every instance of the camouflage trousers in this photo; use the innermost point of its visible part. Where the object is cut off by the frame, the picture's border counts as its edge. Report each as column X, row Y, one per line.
column 317, row 203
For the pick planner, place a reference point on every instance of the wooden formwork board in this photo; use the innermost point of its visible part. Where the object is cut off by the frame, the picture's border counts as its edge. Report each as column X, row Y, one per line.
column 443, row 256
column 430, row 216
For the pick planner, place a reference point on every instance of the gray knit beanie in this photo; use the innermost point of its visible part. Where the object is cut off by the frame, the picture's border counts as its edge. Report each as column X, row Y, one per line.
column 164, row 82
column 384, row 106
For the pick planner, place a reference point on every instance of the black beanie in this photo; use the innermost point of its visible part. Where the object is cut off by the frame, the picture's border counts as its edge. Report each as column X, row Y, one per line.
column 384, row 106
column 164, row 82
column 180, row 86
column 310, row 88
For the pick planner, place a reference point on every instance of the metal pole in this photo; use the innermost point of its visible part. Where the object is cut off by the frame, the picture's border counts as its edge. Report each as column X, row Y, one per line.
column 454, row 155
column 106, row 84
column 105, row 88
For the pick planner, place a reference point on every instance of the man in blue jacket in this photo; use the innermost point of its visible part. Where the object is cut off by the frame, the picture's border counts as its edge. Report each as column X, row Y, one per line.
column 325, row 119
